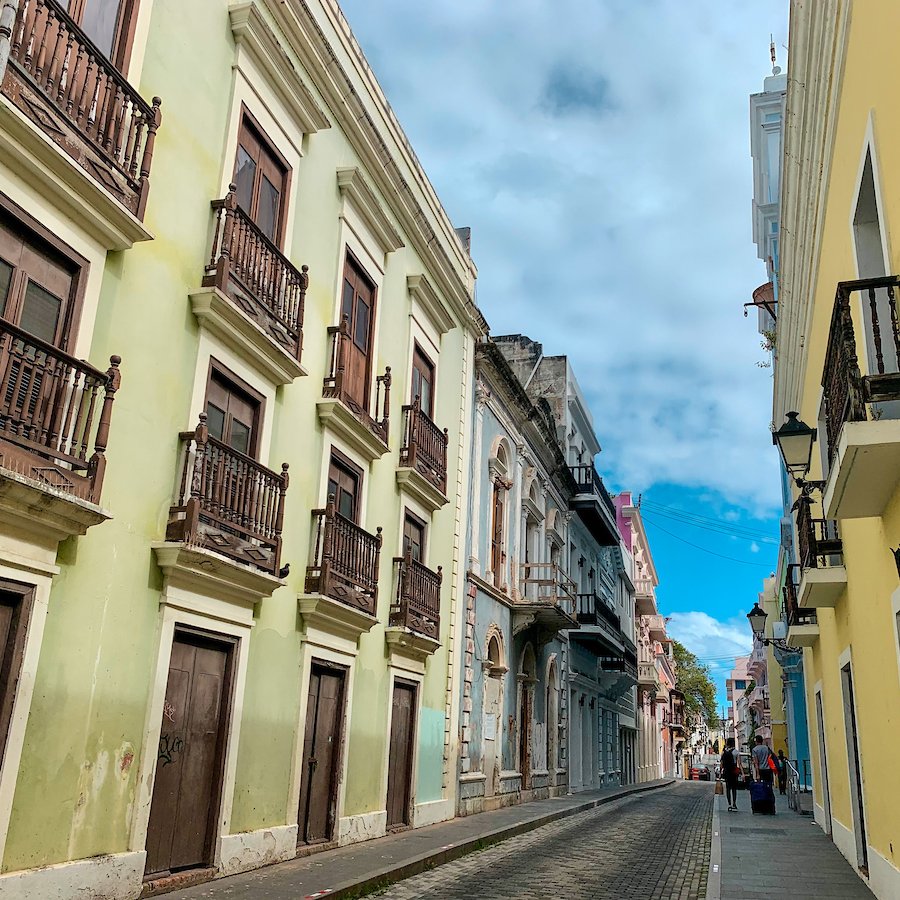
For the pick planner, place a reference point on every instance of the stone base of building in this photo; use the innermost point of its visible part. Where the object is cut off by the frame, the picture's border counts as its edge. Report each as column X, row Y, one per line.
column 113, row 876
column 473, row 800
column 252, row 849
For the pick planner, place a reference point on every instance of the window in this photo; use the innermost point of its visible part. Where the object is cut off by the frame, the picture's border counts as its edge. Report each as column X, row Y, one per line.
column 15, row 602
column 357, row 308
column 108, row 23
column 344, row 484
column 232, row 411
column 423, row 381
column 740, row 684
column 414, row 536
column 261, row 176
column 38, row 285
column 497, row 533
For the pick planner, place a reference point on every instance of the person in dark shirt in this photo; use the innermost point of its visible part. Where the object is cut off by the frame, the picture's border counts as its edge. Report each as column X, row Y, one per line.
column 731, row 770
column 782, row 772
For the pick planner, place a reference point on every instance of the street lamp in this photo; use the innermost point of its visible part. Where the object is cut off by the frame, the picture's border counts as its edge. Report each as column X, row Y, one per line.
column 795, row 440
column 757, row 619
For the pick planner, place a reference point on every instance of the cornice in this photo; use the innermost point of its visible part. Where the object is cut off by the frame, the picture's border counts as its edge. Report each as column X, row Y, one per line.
column 422, row 291
column 253, row 35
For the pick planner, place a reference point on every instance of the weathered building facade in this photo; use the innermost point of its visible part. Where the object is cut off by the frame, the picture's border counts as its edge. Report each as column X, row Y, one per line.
column 230, row 597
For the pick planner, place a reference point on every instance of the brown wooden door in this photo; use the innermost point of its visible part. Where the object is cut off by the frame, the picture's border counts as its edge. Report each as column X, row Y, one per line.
column 423, row 382
column 525, row 737
column 497, row 535
column 344, row 484
column 414, row 537
column 321, row 755
column 232, row 415
column 400, row 755
column 261, row 179
column 358, row 308
column 108, row 23
column 14, row 605
column 189, row 761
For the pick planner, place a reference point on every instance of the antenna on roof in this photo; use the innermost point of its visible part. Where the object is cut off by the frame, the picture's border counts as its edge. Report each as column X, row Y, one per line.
column 776, row 70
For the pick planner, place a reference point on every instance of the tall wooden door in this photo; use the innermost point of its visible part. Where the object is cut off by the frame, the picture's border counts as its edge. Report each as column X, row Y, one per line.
column 358, row 308
column 525, row 736
column 321, row 755
column 400, row 755
column 189, row 762
column 15, row 601
column 491, row 734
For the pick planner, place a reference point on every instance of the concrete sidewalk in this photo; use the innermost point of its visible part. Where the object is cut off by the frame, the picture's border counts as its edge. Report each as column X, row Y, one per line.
column 360, row 868
column 786, row 855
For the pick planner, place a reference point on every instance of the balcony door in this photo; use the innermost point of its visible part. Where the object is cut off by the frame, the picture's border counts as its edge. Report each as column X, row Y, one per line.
column 414, row 537
column 344, row 484
column 232, row 413
column 108, row 23
column 423, row 382
column 400, row 755
column 358, row 309
column 37, row 286
column 15, row 605
column 261, row 177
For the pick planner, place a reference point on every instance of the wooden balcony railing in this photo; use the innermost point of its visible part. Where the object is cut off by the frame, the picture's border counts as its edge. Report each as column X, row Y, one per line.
column 793, row 614
column 587, row 481
column 333, row 385
column 66, row 85
column 51, row 411
column 818, row 540
column 345, row 560
column 847, row 390
column 228, row 502
column 252, row 271
column 547, row 583
column 424, row 446
column 417, row 604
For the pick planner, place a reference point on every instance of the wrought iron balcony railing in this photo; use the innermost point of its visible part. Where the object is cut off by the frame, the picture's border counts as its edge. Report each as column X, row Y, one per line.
column 818, row 540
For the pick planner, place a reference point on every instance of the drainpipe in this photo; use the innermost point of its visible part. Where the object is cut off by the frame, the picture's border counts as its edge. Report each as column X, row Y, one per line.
column 7, row 18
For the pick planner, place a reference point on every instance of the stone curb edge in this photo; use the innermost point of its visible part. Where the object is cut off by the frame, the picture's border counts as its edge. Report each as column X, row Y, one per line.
column 427, row 861
column 714, row 877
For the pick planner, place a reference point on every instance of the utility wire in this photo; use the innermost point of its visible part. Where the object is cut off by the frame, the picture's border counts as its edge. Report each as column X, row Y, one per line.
column 755, row 538
column 742, row 562
column 706, row 522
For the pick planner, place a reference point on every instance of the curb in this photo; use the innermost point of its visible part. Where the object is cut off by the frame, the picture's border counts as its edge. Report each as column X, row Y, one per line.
column 714, row 877
column 426, row 861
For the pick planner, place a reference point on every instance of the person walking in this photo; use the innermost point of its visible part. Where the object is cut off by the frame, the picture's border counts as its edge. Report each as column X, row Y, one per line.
column 730, row 768
column 762, row 796
column 782, row 772
column 762, row 770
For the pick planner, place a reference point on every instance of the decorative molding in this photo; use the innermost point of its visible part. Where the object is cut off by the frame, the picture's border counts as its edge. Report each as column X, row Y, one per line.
column 43, row 165
column 196, row 572
column 222, row 318
column 332, row 617
column 412, row 482
column 253, row 35
column 333, row 414
column 408, row 650
column 422, row 292
column 355, row 189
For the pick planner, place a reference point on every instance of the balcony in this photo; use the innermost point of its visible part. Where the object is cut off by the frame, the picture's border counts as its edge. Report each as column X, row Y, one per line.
column 759, row 697
column 253, row 297
column 414, row 626
column 228, row 502
column 593, row 503
column 77, row 100
column 648, row 676
column 803, row 625
column 617, row 676
column 345, row 561
column 341, row 411
column 823, row 576
column 861, row 383
column 657, row 627
column 423, row 457
column 55, row 410
column 600, row 625
column 644, row 597
column 758, row 661
column 546, row 600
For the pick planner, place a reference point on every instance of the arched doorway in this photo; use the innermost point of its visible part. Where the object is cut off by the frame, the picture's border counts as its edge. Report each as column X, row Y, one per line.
column 527, row 679
column 492, row 724
column 552, row 708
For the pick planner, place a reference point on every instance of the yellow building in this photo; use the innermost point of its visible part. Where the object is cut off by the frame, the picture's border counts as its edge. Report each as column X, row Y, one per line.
column 837, row 349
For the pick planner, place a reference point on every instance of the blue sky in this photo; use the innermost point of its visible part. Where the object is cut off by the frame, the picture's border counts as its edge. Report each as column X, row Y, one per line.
column 599, row 151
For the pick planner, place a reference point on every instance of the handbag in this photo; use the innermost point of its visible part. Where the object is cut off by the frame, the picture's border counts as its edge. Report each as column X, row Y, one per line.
column 771, row 762
column 720, row 788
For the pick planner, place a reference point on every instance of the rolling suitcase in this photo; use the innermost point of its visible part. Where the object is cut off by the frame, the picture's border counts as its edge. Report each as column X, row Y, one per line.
column 762, row 798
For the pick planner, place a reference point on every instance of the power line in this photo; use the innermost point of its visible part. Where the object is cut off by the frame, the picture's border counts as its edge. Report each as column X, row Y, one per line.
column 706, row 522
column 742, row 562
column 724, row 529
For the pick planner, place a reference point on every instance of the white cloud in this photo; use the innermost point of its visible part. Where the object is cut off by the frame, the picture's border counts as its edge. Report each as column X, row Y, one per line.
column 599, row 150
column 754, row 547
column 714, row 641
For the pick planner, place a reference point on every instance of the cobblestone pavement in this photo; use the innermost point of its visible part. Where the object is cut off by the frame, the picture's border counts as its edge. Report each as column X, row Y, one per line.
column 649, row 847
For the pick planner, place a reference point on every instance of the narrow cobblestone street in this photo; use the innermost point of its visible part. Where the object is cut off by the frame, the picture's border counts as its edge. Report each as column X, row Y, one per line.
column 650, row 847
